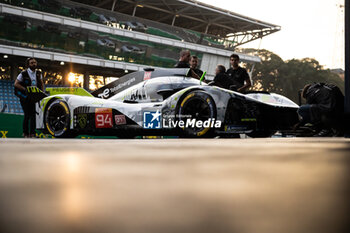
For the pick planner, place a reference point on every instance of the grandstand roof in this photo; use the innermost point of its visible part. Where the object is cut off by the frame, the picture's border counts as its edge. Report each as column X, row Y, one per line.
column 189, row 14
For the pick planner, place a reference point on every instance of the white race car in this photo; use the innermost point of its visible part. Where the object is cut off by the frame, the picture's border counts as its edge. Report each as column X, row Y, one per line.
column 163, row 102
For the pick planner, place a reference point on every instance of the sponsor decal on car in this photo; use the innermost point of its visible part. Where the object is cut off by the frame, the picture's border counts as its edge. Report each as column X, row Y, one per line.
column 103, row 118
column 112, row 90
column 104, row 94
column 192, row 123
column 248, row 119
column 152, row 119
column 121, row 85
column 236, row 128
column 120, row 120
column 147, row 75
column 82, row 120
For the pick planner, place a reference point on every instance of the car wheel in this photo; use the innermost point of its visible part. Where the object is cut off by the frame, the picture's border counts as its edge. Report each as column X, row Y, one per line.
column 57, row 119
column 200, row 106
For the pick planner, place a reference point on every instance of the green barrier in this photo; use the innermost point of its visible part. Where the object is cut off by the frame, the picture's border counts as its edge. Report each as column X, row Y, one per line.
column 10, row 125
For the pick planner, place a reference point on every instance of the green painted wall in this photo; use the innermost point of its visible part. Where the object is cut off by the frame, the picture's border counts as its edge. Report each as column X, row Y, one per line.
column 10, row 125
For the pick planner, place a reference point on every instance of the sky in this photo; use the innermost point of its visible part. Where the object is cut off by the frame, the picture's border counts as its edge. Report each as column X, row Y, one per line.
column 310, row 28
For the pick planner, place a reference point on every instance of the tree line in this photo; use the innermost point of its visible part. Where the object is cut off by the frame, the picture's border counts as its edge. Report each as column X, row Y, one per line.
column 288, row 77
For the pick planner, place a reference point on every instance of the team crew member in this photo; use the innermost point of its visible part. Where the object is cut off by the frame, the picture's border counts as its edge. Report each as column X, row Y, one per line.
column 183, row 62
column 221, row 79
column 28, row 77
column 194, row 65
column 324, row 107
column 238, row 75
column 184, row 59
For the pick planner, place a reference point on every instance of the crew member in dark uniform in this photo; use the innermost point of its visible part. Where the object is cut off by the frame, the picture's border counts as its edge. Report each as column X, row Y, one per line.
column 184, row 59
column 183, row 62
column 238, row 75
column 194, row 65
column 324, row 107
column 28, row 77
column 221, row 79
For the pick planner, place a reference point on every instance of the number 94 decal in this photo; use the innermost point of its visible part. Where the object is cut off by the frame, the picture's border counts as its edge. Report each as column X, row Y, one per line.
column 103, row 118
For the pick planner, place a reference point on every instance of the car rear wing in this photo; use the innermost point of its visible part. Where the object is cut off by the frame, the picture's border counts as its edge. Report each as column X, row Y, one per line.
column 131, row 79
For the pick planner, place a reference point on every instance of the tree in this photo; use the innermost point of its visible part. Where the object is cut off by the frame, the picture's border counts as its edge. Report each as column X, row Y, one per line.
column 288, row 77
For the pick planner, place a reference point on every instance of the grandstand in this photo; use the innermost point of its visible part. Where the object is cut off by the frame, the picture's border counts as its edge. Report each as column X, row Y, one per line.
column 8, row 101
column 95, row 40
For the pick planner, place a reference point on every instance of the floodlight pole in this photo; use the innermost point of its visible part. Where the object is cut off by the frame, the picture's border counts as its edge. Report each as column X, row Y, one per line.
column 113, row 6
column 347, row 67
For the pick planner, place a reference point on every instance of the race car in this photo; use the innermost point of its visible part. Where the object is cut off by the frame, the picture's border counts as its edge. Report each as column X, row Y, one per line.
column 163, row 102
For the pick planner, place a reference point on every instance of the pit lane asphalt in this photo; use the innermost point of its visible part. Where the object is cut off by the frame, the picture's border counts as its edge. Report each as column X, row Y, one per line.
column 175, row 185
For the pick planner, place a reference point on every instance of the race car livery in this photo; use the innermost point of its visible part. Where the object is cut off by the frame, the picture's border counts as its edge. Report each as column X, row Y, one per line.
column 163, row 102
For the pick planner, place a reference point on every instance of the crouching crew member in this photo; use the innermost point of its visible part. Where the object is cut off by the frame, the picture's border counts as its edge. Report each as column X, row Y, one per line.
column 324, row 108
column 29, row 77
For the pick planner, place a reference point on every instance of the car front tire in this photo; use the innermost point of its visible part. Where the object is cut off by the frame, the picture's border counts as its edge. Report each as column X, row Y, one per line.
column 200, row 106
column 57, row 119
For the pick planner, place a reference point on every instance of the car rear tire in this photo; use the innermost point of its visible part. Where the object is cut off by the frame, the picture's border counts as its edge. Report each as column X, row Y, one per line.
column 57, row 119
column 200, row 106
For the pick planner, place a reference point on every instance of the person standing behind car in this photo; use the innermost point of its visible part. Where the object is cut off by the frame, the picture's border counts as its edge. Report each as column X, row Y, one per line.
column 238, row 75
column 194, row 64
column 221, row 79
column 183, row 62
column 184, row 59
column 29, row 77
